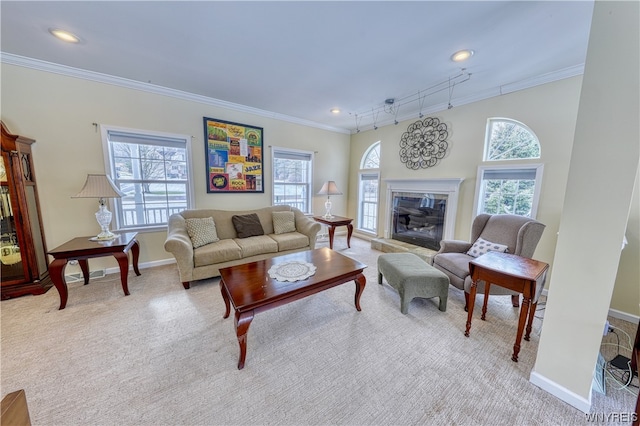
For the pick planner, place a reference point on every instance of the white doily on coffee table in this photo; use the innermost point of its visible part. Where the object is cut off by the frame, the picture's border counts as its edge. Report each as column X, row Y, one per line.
column 291, row 271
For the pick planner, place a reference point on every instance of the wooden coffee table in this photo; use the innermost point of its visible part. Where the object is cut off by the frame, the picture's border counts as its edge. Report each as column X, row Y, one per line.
column 250, row 289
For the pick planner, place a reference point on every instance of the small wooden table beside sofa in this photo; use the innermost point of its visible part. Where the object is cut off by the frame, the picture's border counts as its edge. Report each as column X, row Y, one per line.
column 228, row 249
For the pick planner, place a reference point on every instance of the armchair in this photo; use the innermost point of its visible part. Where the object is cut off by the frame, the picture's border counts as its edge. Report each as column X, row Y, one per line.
column 520, row 234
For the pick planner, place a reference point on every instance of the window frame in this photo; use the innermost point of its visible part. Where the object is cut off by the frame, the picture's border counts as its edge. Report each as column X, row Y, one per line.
column 309, row 182
column 115, row 204
column 482, row 169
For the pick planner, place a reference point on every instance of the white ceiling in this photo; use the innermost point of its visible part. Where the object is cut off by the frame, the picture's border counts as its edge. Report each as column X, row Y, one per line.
column 303, row 58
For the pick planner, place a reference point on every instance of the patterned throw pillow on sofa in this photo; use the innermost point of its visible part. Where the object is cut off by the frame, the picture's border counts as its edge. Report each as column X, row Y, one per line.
column 202, row 231
column 284, row 222
column 482, row 246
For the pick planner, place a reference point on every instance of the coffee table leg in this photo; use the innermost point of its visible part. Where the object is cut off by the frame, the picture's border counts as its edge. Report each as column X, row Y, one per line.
column 243, row 321
column 360, row 281
column 225, row 297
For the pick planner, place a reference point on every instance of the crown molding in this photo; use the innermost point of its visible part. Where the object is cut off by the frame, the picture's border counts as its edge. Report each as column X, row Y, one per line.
column 36, row 64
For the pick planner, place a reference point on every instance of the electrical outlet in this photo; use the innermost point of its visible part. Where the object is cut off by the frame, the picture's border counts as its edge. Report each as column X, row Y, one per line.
column 607, row 328
column 73, row 262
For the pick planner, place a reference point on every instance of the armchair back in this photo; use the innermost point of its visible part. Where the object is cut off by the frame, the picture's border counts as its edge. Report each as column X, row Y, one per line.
column 521, row 234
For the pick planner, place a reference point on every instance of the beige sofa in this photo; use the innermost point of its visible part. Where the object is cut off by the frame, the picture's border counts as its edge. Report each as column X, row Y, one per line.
column 206, row 261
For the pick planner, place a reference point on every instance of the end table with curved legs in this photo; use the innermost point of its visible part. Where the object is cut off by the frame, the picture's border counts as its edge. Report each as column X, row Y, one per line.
column 84, row 248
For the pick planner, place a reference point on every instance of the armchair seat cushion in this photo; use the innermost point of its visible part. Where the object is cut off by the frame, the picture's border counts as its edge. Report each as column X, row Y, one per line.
column 455, row 263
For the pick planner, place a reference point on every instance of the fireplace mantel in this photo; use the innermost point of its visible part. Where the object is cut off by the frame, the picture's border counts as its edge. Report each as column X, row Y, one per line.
column 446, row 186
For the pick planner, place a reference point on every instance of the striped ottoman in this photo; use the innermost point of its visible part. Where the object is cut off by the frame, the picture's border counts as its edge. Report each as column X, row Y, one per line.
column 413, row 277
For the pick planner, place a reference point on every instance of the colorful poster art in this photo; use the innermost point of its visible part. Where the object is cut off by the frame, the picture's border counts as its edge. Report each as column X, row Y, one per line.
column 234, row 161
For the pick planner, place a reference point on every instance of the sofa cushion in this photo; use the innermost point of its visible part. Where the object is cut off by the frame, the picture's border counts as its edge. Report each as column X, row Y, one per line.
column 220, row 251
column 259, row 244
column 482, row 246
column 202, row 231
column 290, row 241
column 247, row 225
column 283, row 222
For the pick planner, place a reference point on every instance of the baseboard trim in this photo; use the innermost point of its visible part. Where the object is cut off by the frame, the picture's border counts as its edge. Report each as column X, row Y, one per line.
column 561, row 392
column 144, row 265
column 634, row 319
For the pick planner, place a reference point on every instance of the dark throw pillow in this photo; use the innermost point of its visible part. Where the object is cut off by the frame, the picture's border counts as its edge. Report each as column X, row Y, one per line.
column 247, row 225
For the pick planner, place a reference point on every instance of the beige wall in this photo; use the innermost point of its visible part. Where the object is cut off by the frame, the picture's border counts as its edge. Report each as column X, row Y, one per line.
column 549, row 110
column 603, row 169
column 58, row 111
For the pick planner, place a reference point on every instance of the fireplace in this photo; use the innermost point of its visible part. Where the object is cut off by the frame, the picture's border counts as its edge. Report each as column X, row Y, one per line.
column 422, row 211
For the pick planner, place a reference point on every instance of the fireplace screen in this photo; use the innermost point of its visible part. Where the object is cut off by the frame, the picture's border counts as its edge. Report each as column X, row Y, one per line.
column 419, row 218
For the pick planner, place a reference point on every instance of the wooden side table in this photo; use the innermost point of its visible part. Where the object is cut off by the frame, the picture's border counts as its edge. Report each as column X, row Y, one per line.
column 83, row 248
column 334, row 221
column 515, row 273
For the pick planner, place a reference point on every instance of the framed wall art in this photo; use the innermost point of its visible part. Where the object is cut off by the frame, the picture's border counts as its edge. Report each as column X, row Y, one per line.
column 233, row 156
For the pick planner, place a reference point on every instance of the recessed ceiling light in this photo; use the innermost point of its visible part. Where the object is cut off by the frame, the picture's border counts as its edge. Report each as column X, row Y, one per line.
column 335, row 110
column 64, row 35
column 462, row 55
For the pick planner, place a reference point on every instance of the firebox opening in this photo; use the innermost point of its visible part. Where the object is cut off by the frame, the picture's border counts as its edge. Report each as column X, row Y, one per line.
column 419, row 219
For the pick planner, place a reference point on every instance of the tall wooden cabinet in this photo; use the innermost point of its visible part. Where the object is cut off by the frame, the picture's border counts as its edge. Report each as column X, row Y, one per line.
column 23, row 252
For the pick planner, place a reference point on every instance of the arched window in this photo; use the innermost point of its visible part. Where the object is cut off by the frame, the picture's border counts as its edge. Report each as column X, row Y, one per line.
column 371, row 158
column 514, row 188
column 368, row 188
column 508, row 140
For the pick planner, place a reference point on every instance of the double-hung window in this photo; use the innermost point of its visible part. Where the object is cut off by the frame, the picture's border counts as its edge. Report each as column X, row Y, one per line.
column 292, row 172
column 153, row 171
column 509, row 188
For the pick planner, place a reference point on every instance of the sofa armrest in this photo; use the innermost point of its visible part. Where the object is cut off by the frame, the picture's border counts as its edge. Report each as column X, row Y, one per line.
column 454, row 246
column 179, row 244
column 308, row 227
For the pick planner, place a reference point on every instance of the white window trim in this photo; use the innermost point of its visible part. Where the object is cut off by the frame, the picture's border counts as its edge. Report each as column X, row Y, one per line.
column 274, row 149
column 539, row 168
column 104, row 129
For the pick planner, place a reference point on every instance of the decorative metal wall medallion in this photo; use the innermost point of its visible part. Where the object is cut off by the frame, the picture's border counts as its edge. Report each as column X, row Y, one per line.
column 424, row 143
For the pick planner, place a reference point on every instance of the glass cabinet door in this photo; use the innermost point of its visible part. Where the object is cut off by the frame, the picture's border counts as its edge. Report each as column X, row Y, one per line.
column 10, row 256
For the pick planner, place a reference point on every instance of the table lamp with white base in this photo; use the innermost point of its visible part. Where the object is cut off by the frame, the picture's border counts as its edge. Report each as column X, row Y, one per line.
column 101, row 186
column 329, row 188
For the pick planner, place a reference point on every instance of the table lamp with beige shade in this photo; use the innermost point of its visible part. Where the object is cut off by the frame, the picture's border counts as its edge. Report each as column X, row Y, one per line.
column 102, row 187
column 329, row 188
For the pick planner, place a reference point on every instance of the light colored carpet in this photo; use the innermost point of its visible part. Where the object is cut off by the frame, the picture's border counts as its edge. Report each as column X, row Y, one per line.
column 165, row 356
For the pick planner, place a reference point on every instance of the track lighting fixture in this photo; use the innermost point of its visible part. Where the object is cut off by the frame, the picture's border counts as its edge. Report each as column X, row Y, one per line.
column 392, row 105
